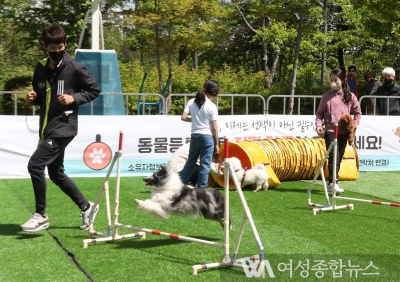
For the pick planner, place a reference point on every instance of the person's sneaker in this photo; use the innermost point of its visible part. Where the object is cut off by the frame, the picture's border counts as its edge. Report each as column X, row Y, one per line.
column 36, row 223
column 85, row 216
column 337, row 188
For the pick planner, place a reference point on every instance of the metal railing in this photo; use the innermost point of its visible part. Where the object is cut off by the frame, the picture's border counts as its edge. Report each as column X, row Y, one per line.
column 165, row 102
column 15, row 94
column 374, row 102
column 298, row 97
column 315, row 97
column 141, row 99
column 232, row 96
column 126, row 106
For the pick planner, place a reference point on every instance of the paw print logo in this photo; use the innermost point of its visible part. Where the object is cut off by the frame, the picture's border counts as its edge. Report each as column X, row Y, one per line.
column 97, row 155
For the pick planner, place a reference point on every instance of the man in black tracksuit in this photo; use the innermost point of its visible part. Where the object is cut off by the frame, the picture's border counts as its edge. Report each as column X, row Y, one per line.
column 60, row 85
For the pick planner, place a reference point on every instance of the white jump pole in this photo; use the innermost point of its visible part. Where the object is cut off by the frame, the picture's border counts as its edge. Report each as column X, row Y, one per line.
column 104, row 188
column 227, row 217
column 320, row 172
column 226, row 260
column 112, row 233
column 233, row 261
column 333, row 206
column 117, row 188
column 173, row 236
column 328, row 207
column 374, row 202
column 246, row 215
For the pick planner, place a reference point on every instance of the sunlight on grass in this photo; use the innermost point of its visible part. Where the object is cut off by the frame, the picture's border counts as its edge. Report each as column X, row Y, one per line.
column 287, row 228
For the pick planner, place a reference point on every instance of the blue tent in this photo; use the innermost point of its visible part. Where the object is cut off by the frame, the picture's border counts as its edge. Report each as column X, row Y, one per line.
column 103, row 66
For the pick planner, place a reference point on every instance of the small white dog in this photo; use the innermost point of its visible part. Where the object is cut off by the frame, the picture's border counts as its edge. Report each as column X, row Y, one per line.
column 257, row 174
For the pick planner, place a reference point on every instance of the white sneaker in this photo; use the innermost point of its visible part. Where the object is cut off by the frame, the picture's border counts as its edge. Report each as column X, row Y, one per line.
column 36, row 223
column 337, row 188
column 85, row 216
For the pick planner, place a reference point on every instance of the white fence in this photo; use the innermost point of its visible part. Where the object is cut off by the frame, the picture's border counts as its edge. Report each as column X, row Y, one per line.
column 163, row 103
column 315, row 99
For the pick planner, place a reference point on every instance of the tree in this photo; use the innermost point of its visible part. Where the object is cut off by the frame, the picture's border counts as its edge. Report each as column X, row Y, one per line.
column 21, row 23
column 203, row 29
column 304, row 16
column 378, row 23
column 167, row 27
column 17, row 56
column 266, row 36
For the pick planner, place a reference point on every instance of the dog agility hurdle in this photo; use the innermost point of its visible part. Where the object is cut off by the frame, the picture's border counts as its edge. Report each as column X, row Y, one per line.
column 333, row 206
column 228, row 259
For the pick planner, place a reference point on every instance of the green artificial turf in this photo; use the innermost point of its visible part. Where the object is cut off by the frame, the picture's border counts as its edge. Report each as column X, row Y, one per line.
column 287, row 228
column 28, row 256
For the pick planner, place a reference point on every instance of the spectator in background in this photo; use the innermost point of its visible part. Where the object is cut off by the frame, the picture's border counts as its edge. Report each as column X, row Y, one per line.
column 371, row 85
column 389, row 88
column 352, row 80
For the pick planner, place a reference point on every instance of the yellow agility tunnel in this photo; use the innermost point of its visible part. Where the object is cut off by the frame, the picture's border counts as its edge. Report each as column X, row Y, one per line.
column 289, row 159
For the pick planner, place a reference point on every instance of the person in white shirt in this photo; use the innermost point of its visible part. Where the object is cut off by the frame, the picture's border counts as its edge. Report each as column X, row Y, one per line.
column 179, row 159
column 204, row 132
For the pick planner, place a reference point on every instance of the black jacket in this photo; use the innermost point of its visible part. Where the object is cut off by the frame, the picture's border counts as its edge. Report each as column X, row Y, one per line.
column 58, row 120
column 394, row 106
column 370, row 89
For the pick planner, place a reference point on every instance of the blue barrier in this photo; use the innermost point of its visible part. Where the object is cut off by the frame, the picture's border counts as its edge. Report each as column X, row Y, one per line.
column 103, row 66
column 142, row 105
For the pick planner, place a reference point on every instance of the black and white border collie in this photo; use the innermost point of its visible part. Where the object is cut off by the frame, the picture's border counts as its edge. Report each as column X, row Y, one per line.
column 170, row 196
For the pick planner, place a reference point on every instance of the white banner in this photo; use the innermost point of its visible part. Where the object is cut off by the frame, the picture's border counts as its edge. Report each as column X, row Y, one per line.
column 148, row 141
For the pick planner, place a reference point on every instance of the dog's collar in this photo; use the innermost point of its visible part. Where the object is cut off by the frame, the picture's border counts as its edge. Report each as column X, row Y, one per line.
column 239, row 169
column 244, row 174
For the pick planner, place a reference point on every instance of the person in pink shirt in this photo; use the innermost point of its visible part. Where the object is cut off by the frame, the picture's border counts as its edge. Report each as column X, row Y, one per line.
column 335, row 103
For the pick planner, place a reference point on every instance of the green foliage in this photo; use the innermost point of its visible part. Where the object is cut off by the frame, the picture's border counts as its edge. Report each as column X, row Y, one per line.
column 199, row 40
column 7, row 101
column 189, row 80
column 307, row 83
column 165, row 27
column 17, row 61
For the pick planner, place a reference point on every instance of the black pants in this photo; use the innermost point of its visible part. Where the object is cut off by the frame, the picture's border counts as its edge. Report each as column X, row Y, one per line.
column 50, row 153
column 341, row 146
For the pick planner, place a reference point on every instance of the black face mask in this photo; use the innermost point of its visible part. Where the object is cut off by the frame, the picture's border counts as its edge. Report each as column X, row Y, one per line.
column 57, row 56
column 371, row 80
column 388, row 81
